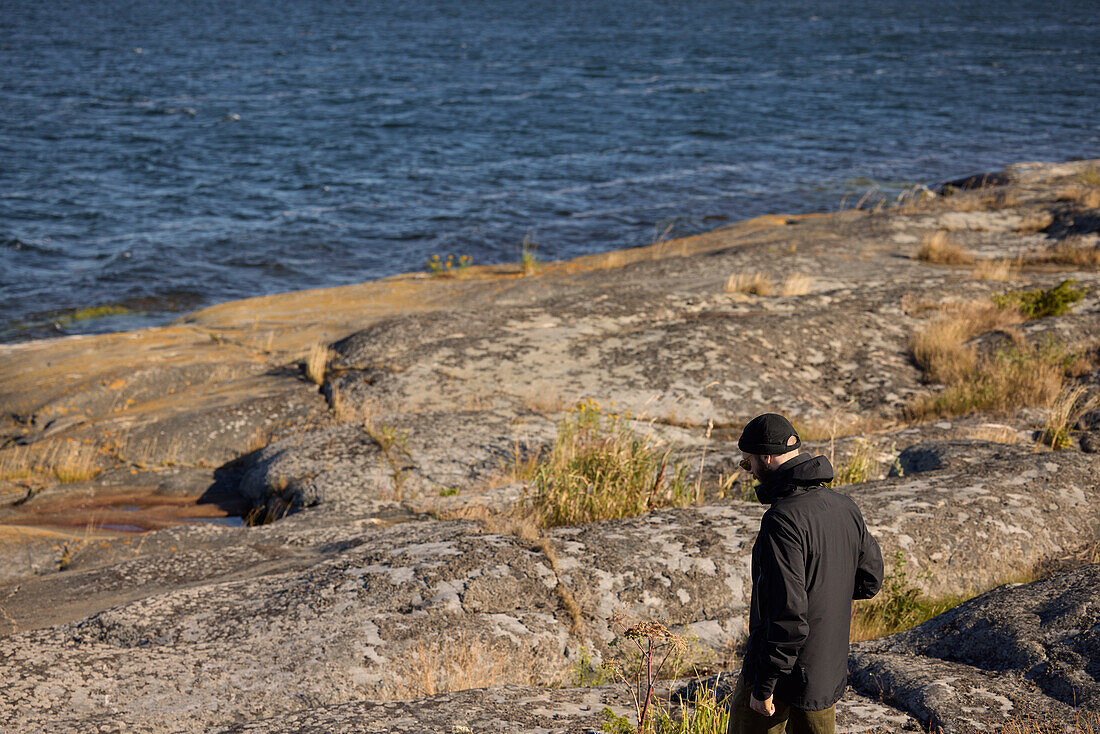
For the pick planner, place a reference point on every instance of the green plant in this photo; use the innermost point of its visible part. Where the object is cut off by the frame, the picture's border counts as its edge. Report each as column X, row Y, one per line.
column 613, row 723
column 448, row 492
column 586, row 673
column 600, row 469
column 528, row 255
column 898, row 606
column 393, row 444
column 746, row 489
column 1039, row 303
column 857, row 469
column 708, row 715
column 92, row 312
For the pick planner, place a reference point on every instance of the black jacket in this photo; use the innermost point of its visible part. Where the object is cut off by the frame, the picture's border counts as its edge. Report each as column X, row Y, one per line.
column 813, row 555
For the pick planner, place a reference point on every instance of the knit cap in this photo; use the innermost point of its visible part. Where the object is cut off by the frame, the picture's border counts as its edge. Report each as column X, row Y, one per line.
column 769, row 433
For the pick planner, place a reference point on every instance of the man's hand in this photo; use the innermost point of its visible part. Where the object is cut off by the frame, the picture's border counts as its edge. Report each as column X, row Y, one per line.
column 764, row 708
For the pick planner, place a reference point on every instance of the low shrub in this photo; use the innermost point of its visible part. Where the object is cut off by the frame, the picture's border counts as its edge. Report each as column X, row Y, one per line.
column 1040, row 303
column 600, row 469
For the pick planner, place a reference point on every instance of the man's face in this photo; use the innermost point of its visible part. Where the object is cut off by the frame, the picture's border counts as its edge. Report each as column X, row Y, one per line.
column 756, row 464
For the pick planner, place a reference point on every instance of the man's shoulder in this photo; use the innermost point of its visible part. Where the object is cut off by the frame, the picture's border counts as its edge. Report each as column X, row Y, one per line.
column 814, row 501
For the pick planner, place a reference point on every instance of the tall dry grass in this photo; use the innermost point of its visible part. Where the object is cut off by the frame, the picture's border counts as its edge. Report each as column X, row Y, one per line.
column 1069, row 405
column 1086, row 195
column 1016, row 377
column 755, row 284
column 998, row 270
column 940, row 348
column 796, row 284
column 65, row 460
column 1085, row 722
column 317, row 362
column 446, row 664
column 1032, row 222
column 937, row 247
column 1079, row 251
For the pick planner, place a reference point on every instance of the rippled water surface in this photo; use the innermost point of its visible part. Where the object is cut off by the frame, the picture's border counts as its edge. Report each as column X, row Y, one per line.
column 157, row 157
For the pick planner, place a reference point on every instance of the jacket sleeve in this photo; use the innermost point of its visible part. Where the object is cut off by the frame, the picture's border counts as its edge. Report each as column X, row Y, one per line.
column 782, row 578
column 869, row 568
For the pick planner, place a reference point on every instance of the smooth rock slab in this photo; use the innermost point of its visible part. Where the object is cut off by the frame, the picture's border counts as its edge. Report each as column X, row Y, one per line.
column 524, row 709
column 1018, row 651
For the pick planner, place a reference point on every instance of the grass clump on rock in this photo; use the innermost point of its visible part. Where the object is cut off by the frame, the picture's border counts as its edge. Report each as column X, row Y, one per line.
column 601, row 469
column 937, row 247
column 898, row 606
column 1019, row 376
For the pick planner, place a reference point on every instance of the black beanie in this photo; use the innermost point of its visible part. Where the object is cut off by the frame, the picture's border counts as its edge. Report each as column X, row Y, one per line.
column 768, row 434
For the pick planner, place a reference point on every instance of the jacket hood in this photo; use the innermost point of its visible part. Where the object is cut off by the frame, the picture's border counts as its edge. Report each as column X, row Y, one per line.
column 801, row 471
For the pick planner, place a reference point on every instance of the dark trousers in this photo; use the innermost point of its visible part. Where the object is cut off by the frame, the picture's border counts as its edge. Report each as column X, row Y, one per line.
column 743, row 720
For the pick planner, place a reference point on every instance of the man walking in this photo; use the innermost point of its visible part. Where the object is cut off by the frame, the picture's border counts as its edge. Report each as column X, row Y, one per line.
column 812, row 556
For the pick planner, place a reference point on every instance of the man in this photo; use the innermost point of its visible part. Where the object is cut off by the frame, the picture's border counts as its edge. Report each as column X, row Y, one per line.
column 812, row 556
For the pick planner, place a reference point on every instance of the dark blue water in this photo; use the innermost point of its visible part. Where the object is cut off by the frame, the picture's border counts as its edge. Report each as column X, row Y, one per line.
column 163, row 156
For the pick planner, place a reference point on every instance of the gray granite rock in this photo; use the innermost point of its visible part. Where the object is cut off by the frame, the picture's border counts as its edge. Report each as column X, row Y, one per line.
column 1018, row 651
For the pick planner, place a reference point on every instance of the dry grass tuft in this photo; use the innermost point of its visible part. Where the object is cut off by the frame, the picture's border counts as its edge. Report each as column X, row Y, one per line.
column 1086, row 196
column 442, row 665
column 1080, row 251
column 317, row 362
column 65, row 461
column 796, row 284
column 1086, row 722
column 1034, row 222
column 979, row 200
column 756, row 284
column 938, row 248
column 940, row 348
column 995, row 433
column 838, row 426
column 1070, row 404
column 1018, row 377
column 999, row 270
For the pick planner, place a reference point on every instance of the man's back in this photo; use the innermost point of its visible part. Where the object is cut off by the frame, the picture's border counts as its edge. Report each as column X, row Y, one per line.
column 813, row 555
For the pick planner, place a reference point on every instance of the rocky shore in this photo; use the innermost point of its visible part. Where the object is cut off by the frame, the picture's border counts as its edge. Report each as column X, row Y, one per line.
column 307, row 512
